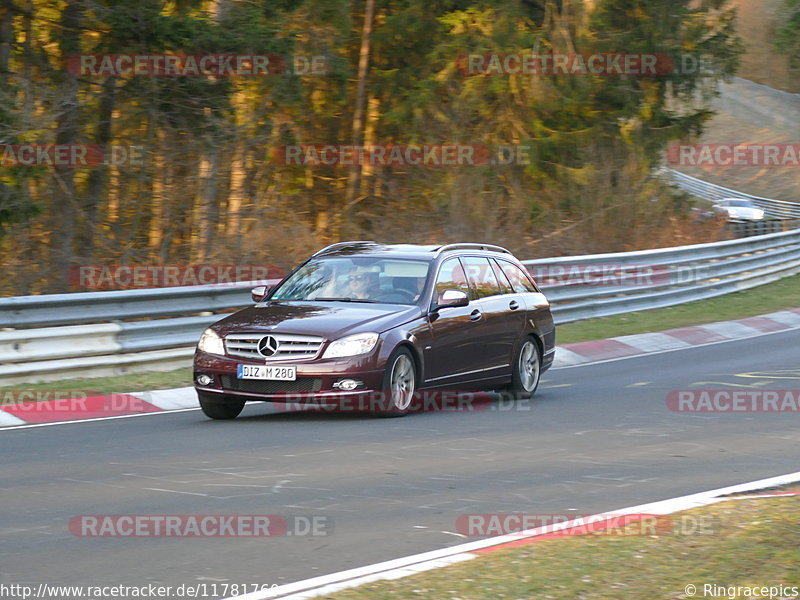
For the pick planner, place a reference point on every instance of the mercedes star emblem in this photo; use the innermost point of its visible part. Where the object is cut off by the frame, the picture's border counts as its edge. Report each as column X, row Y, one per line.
column 267, row 346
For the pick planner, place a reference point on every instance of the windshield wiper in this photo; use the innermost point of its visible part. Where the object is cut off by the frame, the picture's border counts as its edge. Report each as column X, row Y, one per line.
column 347, row 300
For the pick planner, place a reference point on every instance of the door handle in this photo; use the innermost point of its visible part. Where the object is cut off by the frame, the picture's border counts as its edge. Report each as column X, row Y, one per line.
column 475, row 315
column 513, row 305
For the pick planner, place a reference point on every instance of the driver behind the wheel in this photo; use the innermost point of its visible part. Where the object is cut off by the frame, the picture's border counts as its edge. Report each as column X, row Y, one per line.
column 363, row 284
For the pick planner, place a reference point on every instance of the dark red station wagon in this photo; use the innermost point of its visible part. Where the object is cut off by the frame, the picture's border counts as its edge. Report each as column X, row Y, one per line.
column 366, row 320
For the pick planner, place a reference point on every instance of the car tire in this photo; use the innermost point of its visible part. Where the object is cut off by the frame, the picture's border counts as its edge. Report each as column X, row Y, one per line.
column 220, row 407
column 527, row 370
column 399, row 384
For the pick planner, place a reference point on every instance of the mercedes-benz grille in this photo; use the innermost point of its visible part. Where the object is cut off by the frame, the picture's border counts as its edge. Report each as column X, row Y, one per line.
column 269, row 346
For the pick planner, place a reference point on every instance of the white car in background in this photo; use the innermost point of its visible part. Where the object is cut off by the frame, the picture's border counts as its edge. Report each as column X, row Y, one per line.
column 738, row 209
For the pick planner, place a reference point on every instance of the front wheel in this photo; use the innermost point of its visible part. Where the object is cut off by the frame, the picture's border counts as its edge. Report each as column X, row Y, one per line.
column 220, row 407
column 399, row 384
column 527, row 369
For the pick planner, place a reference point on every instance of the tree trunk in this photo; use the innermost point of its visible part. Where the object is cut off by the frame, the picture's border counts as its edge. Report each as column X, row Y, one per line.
column 6, row 34
column 67, row 130
column 207, row 210
column 354, row 180
column 97, row 185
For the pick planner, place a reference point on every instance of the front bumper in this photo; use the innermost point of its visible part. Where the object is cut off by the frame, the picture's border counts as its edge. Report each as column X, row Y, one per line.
column 315, row 381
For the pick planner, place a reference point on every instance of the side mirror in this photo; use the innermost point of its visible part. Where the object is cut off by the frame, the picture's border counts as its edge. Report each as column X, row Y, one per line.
column 451, row 298
column 258, row 292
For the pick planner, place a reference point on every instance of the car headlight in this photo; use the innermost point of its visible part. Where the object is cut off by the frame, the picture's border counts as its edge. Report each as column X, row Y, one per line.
column 210, row 342
column 360, row 343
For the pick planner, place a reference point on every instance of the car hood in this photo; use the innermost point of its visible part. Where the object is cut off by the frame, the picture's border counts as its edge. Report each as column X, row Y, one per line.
column 330, row 320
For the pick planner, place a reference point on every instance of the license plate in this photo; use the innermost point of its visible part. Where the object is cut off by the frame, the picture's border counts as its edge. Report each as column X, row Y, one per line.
column 270, row 372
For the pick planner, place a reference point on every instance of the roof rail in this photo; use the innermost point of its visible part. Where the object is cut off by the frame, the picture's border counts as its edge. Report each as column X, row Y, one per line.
column 341, row 244
column 471, row 246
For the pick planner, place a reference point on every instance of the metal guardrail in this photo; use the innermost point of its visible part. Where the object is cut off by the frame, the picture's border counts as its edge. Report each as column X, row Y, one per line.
column 83, row 334
column 741, row 229
column 775, row 209
column 68, row 335
column 663, row 277
column 63, row 309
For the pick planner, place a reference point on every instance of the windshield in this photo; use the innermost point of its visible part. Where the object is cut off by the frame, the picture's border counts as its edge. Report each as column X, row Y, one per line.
column 356, row 279
column 742, row 203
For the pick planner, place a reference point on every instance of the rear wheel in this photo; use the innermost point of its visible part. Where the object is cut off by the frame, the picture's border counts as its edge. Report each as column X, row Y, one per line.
column 399, row 384
column 527, row 370
column 220, row 407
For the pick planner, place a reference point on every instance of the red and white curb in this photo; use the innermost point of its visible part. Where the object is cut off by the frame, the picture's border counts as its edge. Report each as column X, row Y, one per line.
column 675, row 339
column 97, row 407
column 418, row 563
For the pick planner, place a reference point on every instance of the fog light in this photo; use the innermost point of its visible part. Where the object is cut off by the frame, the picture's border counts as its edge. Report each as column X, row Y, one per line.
column 348, row 384
column 204, row 379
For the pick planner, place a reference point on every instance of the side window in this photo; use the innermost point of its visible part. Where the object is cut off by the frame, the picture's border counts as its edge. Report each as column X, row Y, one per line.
column 519, row 280
column 481, row 276
column 451, row 277
column 505, row 284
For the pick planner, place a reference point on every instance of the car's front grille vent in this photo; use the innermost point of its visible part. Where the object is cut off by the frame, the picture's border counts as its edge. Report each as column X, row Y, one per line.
column 258, row 386
column 284, row 345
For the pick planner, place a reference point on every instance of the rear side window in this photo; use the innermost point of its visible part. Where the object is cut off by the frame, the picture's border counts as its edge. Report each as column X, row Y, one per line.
column 519, row 280
column 505, row 284
column 451, row 277
column 481, row 276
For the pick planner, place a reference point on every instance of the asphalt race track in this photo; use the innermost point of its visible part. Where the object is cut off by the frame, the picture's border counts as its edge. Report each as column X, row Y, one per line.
column 595, row 438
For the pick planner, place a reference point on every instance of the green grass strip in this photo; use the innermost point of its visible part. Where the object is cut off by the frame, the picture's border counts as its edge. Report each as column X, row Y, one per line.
column 772, row 297
column 752, row 543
